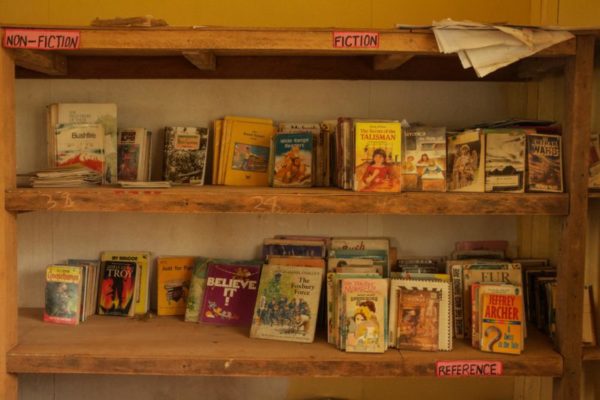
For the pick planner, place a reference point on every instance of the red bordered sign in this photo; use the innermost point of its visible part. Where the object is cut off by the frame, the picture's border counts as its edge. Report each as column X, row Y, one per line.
column 456, row 368
column 355, row 40
column 41, row 39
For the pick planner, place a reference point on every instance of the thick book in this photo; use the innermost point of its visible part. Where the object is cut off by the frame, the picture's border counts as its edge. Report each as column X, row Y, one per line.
column 105, row 114
column 505, row 161
column 185, row 157
column 63, row 294
column 287, row 303
column 377, row 156
column 502, row 322
column 424, row 159
column 173, row 284
column 80, row 144
column 465, row 161
column 544, row 163
column 133, row 154
column 230, row 294
column 118, row 289
column 142, row 260
column 293, row 160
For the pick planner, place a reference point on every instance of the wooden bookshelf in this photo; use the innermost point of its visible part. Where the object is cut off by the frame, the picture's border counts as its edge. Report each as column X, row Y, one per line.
column 226, row 199
column 169, row 346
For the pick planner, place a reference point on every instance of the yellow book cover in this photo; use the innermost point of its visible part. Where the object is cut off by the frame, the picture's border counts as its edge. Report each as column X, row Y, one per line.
column 377, row 162
column 217, row 135
column 247, row 151
column 173, row 277
column 142, row 301
column 502, row 322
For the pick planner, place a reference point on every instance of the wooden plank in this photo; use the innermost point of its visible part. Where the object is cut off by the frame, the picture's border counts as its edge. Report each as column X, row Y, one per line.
column 594, row 195
column 169, row 346
column 390, row 61
column 47, row 63
column 591, row 353
column 203, row 60
column 8, row 228
column 570, row 274
column 220, row 199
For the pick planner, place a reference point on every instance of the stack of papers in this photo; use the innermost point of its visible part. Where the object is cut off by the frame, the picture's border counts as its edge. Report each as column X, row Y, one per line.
column 487, row 48
column 75, row 175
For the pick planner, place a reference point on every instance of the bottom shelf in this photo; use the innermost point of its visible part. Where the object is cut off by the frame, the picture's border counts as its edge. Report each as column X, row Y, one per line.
column 168, row 346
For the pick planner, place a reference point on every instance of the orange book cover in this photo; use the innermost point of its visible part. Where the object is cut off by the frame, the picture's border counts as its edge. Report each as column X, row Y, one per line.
column 502, row 322
column 173, row 277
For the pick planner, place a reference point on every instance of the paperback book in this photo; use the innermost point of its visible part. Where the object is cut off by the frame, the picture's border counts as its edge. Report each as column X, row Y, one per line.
column 505, row 161
column 141, row 259
column 466, row 155
column 63, row 294
column 293, row 162
column 133, row 154
column 118, row 289
column 173, row 279
column 502, row 322
column 186, row 150
column 424, row 159
column 544, row 163
column 80, row 144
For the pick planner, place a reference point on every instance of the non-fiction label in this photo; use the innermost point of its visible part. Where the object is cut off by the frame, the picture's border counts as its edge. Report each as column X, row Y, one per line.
column 41, row 39
column 356, row 40
column 468, row 368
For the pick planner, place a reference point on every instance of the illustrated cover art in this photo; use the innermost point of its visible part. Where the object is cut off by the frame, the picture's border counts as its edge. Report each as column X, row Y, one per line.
column 80, row 144
column 63, row 294
column 133, row 155
column 197, row 287
column 186, row 149
column 465, row 168
column 141, row 258
column 230, row 294
column 502, row 322
column 117, row 288
column 293, row 165
column 173, row 279
column 418, row 319
column 504, row 161
column 284, row 247
column 424, row 159
column 318, row 146
column 377, row 152
column 478, row 290
column 365, row 315
column 376, row 249
column 544, row 163
column 287, row 303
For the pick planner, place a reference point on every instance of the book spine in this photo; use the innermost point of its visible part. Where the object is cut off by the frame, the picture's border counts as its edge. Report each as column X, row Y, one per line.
column 457, row 293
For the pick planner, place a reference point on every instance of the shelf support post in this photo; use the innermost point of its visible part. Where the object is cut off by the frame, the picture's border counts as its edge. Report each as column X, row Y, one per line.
column 570, row 274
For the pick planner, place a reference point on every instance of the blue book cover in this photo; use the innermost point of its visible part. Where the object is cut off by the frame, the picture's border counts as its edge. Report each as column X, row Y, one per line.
column 293, row 163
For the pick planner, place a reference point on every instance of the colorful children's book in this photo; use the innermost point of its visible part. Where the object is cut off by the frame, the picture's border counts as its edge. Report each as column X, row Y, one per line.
column 318, row 145
column 293, row 160
column 230, row 294
column 466, row 155
column 173, row 278
column 118, row 289
column 544, row 163
column 504, row 161
column 502, row 322
column 186, row 150
column 377, row 156
column 63, row 294
column 142, row 260
column 424, row 159
column 133, row 154
column 287, row 304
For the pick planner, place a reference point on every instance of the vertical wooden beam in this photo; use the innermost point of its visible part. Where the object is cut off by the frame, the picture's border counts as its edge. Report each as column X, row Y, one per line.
column 8, row 228
column 571, row 268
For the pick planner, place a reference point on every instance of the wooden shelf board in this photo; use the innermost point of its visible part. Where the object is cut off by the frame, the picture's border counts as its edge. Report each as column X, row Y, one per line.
column 591, row 353
column 224, row 199
column 594, row 194
column 169, row 346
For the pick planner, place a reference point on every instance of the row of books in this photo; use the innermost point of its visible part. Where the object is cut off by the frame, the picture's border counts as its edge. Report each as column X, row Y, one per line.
column 358, row 154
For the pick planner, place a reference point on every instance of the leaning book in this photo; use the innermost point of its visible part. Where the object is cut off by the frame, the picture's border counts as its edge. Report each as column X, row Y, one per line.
column 63, row 294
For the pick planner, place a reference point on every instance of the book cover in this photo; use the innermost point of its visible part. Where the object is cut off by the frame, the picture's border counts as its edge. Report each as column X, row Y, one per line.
column 544, row 163
column 197, row 288
column 142, row 260
column 465, row 162
column 173, row 281
column 133, row 154
column 63, row 294
column 285, row 247
column 186, row 151
column 117, row 291
column 502, row 322
column 366, row 248
column 377, row 157
column 80, row 144
column 230, row 294
column 287, row 304
column 293, row 162
column 318, row 143
column 365, row 315
column 424, row 159
column 246, row 151
column 477, row 292
column 505, row 161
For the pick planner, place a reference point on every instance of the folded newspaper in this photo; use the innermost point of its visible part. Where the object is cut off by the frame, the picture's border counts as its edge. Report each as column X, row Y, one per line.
column 75, row 175
column 487, row 48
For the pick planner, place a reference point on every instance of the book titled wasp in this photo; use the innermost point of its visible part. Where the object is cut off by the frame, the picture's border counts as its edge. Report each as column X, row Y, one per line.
column 63, row 294
column 544, row 163
column 118, row 288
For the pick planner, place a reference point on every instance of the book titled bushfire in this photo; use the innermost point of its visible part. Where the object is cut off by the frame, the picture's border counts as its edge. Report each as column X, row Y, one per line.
column 118, row 288
column 230, row 294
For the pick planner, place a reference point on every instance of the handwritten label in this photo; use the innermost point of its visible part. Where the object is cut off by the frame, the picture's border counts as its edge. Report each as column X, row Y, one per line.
column 356, row 40
column 41, row 39
column 468, row 368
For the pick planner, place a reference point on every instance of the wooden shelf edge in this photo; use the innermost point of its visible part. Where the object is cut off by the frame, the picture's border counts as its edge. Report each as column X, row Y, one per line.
column 221, row 199
column 594, row 194
column 591, row 353
column 169, row 346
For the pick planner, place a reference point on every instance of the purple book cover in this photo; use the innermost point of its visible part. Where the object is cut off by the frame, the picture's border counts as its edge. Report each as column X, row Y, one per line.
column 230, row 294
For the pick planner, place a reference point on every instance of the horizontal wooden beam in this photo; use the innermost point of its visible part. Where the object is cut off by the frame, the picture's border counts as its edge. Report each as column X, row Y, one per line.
column 203, row 60
column 390, row 61
column 48, row 63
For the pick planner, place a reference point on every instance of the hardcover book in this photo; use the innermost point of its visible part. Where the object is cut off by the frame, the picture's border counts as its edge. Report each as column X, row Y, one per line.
column 377, row 156
column 141, row 258
column 502, row 322
column 63, row 294
column 80, row 144
column 173, row 279
column 186, row 150
column 424, row 159
column 293, row 162
column 287, row 304
column 133, row 154
column 230, row 294
column 466, row 155
column 505, row 161
column 118, row 289
column 544, row 163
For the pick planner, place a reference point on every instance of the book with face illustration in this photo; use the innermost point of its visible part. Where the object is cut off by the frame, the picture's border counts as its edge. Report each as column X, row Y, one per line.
column 465, row 171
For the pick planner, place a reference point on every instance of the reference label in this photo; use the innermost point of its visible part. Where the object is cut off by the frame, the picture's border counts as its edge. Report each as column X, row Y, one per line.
column 356, row 40
column 468, row 368
column 41, row 39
